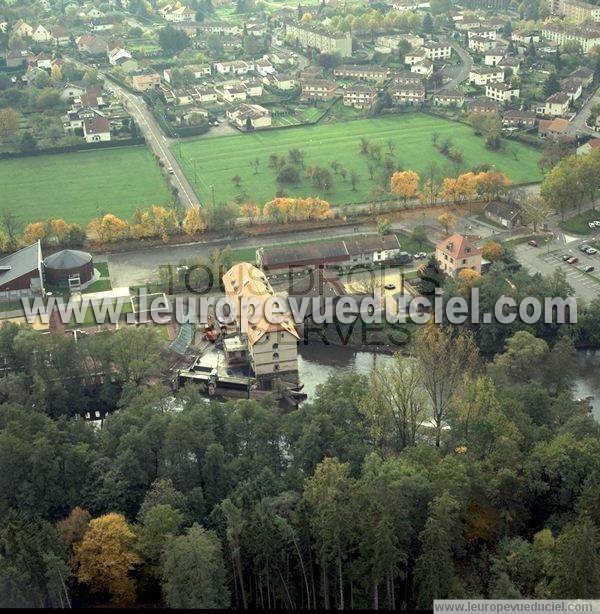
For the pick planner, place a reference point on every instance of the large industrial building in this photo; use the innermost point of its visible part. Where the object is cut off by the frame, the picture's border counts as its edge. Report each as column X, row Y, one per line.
column 272, row 347
column 338, row 252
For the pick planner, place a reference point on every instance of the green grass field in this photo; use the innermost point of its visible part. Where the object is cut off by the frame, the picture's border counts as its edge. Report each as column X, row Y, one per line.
column 78, row 186
column 578, row 224
column 218, row 160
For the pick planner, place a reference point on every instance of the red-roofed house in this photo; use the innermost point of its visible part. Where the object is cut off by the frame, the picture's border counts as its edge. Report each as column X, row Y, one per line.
column 96, row 129
column 457, row 253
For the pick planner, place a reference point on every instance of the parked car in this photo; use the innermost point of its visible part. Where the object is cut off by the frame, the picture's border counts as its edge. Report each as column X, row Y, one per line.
column 390, row 286
column 589, row 268
column 591, row 251
column 584, row 248
column 533, row 243
column 573, row 260
column 566, row 257
column 170, row 171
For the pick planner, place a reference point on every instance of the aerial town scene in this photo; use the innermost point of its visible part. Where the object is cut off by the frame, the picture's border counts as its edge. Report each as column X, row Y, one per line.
column 300, row 304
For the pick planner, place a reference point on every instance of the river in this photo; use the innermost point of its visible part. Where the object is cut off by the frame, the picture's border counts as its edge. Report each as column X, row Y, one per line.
column 317, row 362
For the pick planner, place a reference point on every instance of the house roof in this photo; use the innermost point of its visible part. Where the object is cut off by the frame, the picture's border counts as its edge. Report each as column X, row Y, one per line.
column 67, row 259
column 20, row 263
column 245, row 281
column 503, row 209
column 96, row 125
column 458, row 246
column 557, row 125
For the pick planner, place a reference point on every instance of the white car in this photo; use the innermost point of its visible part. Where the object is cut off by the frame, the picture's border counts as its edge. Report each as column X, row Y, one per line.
column 591, row 251
column 170, row 171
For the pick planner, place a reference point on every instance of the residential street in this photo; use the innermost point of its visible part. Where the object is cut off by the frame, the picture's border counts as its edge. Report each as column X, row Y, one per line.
column 461, row 72
column 157, row 141
column 577, row 124
column 155, row 137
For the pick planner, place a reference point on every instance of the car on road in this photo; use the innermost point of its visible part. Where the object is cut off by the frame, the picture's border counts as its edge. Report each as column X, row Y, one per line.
column 533, row 243
column 589, row 268
column 573, row 260
column 170, row 170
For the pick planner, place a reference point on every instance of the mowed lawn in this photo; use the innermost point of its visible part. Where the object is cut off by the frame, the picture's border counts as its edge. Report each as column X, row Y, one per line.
column 218, row 160
column 78, row 186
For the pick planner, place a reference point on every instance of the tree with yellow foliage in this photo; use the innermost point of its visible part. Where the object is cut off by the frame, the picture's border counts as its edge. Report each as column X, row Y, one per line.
column 56, row 72
column 447, row 220
column 194, row 222
column 105, row 556
column 492, row 251
column 467, row 278
column 252, row 212
column 491, row 184
column 59, row 229
column 404, row 184
column 155, row 221
column 109, row 228
column 36, row 231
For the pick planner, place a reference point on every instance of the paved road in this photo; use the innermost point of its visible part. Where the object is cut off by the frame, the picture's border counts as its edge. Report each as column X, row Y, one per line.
column 578, row 124
column 155, row 137
column 157, row 141
column 463, row 69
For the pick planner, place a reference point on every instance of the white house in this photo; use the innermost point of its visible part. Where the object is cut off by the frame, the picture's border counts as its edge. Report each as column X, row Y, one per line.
column 502, row 92
column 245, row 115
column 234, row 67
column 424, row 68
column 96, row 129
column 482, row 75
column 41, row 35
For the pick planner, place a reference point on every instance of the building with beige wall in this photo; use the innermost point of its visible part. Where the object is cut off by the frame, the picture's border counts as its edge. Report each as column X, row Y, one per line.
column 457, row 253
column 272, row 347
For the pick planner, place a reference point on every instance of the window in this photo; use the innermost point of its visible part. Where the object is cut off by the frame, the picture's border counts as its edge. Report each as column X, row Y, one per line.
column 275, row 356
column 276, row 346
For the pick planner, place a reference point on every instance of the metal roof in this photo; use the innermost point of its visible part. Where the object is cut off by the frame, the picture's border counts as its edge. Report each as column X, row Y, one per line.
column 20, row 263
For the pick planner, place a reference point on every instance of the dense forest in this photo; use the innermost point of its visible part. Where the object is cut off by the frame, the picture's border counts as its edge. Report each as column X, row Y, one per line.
column 443, row 474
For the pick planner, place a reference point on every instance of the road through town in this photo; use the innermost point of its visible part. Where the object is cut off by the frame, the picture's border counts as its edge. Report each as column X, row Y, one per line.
column 157, row 141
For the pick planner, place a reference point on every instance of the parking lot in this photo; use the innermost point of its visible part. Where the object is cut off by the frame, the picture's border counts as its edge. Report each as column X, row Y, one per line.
column 539, row 260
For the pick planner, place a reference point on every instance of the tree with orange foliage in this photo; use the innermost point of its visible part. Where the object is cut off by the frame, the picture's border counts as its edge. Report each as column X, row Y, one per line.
column 194, row 222
column 109, row 228
column 104, row 557
column 404, row 184
column 447, row 220
column 59, row 229
column 491, row 184
column 460, row 189
column 466, row 280
column 252, row 212
column 36, row 231
column 72, row 528
column 317, row 209
column 492, row 251
column 155, row 221
column 279, row 209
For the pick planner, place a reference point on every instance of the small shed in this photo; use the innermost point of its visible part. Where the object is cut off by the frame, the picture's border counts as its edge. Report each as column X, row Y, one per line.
column 69, row 268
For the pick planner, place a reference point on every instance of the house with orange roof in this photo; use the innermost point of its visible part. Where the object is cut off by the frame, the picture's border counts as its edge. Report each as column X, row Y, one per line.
column 457, row 253
column 272, row 345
